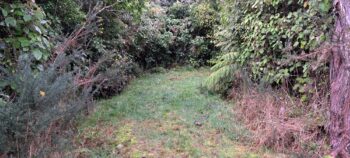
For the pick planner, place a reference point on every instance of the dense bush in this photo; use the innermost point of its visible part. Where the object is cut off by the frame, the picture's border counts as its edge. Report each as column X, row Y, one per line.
column 39, row 100
column 66, row 14
column 55, row 56
column 114, row 75
column 40, row 88
column 268, row 66
column 24, row 29
column 263, row 38
column 204, row 18
column 152, row 42
column 172, row 36
column 27, row 29
column 179, row 11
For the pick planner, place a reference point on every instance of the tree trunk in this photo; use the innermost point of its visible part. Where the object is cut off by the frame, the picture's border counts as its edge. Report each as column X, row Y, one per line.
column 340, row 82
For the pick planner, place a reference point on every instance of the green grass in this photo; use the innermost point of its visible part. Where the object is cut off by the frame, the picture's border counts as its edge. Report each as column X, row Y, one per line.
column 163, row 115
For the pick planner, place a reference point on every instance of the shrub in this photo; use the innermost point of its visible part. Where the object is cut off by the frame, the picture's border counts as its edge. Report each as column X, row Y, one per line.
column 202, row 51
column 151, row 44
column 43, row 99
column 167, row 38
column 40, row 96
column 66, row 14
column 270, row 44
column 204, row 18
column 114, row 75
column 179, row 10
column 24, row 30
column 264, row 44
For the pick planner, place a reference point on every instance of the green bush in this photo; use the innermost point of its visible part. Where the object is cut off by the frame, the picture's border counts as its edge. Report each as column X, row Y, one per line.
column 114, row 75
column 42, row 98
column 204, row 18
column 152, row 41
column 260, row 38
column 66, row 14
column 179, row 10
column 167, row 38
column 202, row 51
column 35, row 93
column 24, row 30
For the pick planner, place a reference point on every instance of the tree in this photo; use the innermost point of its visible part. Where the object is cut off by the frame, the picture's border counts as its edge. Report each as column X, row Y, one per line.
column 340, row 81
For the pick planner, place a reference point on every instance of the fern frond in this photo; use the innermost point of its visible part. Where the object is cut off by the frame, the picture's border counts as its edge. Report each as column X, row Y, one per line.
column 224, row 60
column 218, row 79
column 224, row 71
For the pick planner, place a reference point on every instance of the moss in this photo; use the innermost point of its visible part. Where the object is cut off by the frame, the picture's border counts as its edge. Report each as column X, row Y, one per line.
column 124, row 135
column 137, row 154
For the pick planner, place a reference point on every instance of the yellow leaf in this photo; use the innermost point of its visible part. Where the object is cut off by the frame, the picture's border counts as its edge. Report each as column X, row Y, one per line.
column 42, row 93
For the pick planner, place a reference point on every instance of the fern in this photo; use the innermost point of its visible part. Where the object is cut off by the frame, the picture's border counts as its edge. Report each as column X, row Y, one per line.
column 224, row 71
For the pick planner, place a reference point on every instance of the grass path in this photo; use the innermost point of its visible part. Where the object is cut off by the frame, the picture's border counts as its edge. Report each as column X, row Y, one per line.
column 163, row 115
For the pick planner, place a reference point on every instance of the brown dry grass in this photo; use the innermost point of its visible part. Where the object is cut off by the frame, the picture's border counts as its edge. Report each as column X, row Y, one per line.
column 283, row 123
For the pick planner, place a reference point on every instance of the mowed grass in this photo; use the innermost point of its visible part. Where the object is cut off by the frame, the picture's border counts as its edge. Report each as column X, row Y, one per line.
column 163, row 115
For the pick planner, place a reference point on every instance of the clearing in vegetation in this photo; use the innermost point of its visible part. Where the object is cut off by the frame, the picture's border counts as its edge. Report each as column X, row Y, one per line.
column 283, row 62
column 164, row 115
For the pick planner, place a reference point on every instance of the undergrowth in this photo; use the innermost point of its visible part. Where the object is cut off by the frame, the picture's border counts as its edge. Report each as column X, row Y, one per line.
column 281, row 122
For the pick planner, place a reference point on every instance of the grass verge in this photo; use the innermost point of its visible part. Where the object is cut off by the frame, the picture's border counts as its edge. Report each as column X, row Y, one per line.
column 163, row 115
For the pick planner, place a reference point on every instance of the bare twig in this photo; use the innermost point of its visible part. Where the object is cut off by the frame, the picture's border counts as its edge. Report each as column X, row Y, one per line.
column 84, row 30
column 319, row 56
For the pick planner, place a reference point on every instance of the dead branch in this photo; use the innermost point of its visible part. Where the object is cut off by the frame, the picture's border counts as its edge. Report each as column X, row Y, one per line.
column 86, row 29
column 319, row 56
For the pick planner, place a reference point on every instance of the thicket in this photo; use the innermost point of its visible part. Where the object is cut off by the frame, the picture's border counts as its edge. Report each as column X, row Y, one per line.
column 44, row 101
column 52, row 65
column 265, row 38
column 270, row 46
column 175, row 35
column 24, row 30
column 56, row 57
